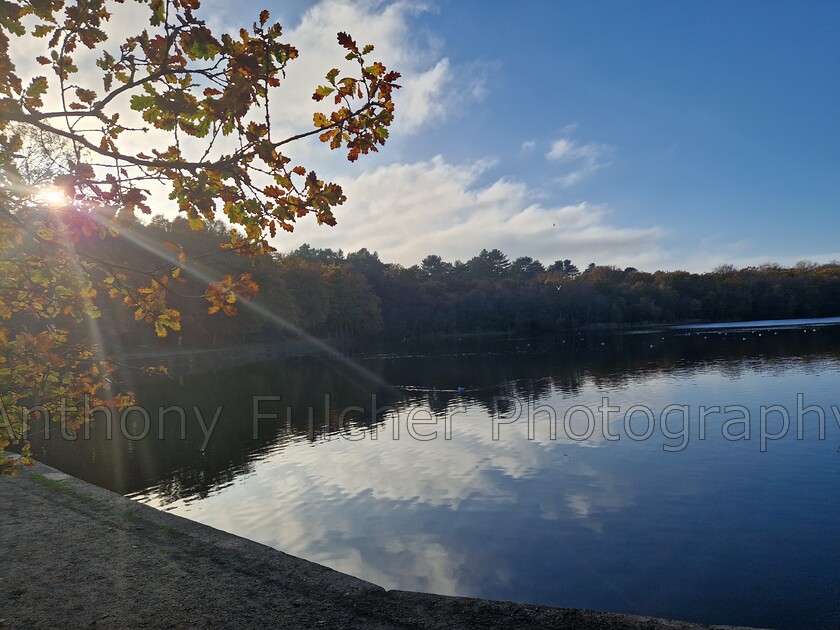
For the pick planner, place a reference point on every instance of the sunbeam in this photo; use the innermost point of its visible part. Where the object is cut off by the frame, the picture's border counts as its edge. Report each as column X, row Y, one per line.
column 92, row 323
column 196, row 270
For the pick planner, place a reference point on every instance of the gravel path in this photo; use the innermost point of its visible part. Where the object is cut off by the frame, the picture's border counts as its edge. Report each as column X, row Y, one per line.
column 77, row 556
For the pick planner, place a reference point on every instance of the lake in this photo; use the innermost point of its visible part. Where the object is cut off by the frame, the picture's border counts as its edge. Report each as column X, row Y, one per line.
column 680, row 473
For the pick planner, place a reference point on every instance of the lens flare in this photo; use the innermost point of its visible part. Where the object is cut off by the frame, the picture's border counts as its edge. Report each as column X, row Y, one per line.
column 53, row 197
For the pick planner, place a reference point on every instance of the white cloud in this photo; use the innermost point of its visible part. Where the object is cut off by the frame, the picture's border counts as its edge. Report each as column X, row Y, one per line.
column 528, row 145
column 585, row 158
column 428, row 78
column 407, row 211
column 424, row 100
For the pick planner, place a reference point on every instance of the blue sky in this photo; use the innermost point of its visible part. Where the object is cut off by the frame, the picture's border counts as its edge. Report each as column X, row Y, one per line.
column 661, row 135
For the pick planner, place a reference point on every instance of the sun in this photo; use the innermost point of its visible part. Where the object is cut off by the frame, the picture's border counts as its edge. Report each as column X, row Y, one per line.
column 52, row 196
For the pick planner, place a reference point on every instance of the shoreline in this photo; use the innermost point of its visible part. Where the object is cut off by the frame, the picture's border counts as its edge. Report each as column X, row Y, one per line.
column 79, row 555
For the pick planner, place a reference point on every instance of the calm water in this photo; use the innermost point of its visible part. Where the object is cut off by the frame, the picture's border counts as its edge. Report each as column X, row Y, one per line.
column 635, row 517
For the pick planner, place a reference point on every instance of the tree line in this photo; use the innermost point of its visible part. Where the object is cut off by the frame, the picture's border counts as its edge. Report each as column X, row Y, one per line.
column 336, row 295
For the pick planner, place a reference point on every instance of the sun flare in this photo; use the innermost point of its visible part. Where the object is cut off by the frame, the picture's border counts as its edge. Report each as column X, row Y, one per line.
column 52, row 196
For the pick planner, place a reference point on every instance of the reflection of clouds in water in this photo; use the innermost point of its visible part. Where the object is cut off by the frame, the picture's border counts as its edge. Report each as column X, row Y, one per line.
column 343, row 532
column 372, row 508
column 383, row 509
column 415, row 562
column 421, row 515
column 604, row 493
column 438, row 472
column 551, row 521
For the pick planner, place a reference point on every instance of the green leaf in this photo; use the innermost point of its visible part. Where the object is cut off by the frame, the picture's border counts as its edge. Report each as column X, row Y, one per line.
column 42, row 30
column 37, row 88
column 199, row 43
column 140, row 102
column 158, row 8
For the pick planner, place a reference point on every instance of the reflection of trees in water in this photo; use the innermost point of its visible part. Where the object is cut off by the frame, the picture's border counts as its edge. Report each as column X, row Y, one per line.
column 607, row 361
column 314, row 393
column 178, row 466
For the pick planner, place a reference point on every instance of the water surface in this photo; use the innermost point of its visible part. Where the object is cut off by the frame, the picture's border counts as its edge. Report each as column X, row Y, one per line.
column 711, row 529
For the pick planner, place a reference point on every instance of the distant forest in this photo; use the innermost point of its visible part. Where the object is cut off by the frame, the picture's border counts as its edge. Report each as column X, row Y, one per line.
column 330, row 294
